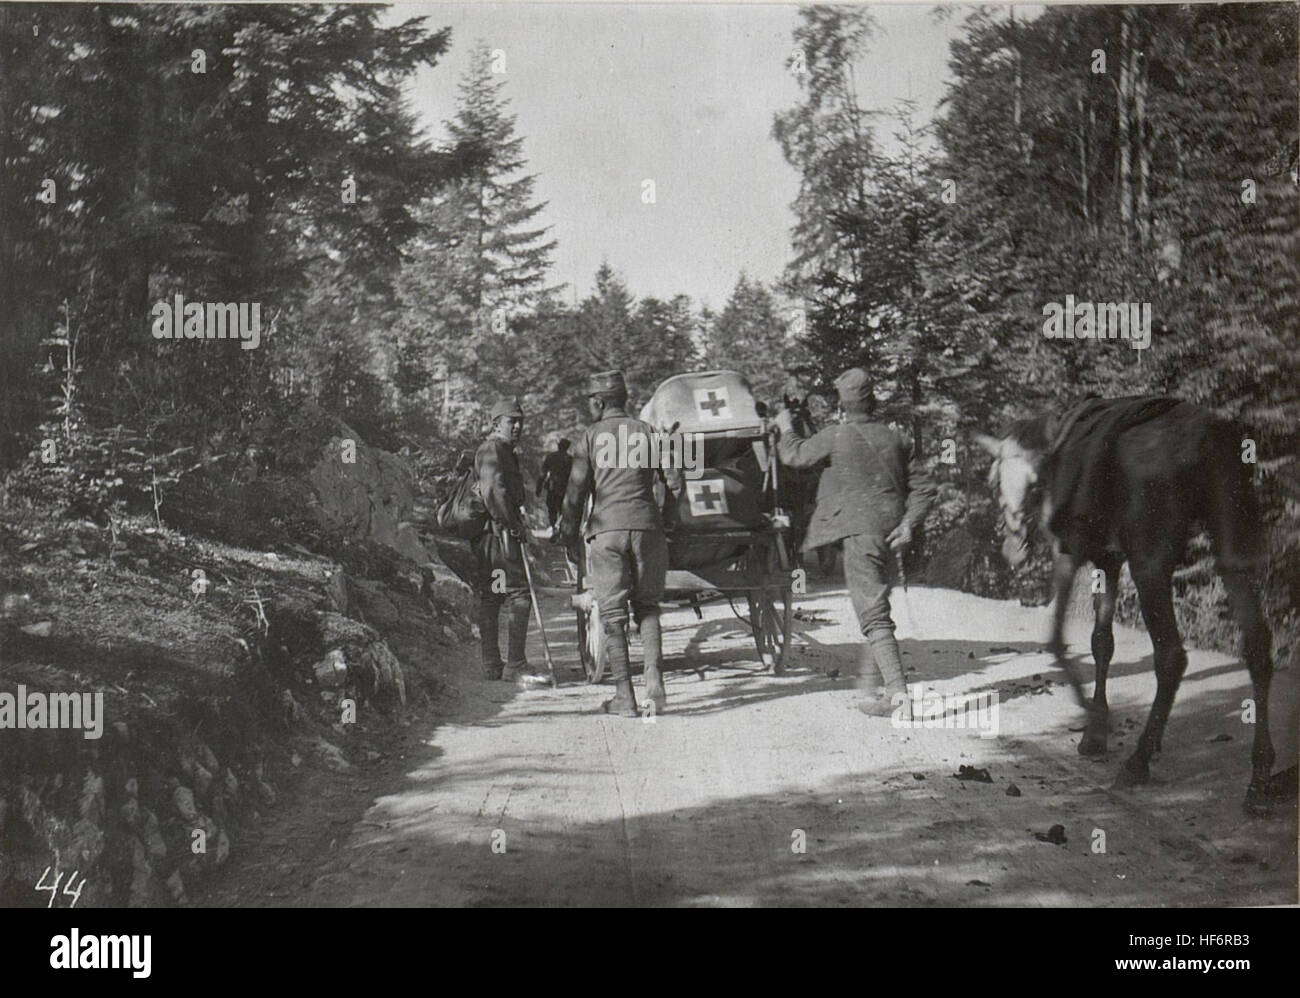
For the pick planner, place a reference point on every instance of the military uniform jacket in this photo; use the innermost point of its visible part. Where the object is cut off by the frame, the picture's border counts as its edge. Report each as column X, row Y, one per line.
column 624, row 495
column 870, row 486
column 500, row 481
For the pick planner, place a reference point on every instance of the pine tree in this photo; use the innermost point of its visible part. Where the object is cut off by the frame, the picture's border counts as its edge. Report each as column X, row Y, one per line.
column 217, row 174
column 478, row 270
column 507, row 261
column 664, row 341
column 827, row 138
column 750, row 336
column 648, row 340
column 606, row 332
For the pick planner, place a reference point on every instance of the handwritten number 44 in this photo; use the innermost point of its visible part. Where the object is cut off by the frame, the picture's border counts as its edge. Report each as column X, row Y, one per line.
column 54, row 890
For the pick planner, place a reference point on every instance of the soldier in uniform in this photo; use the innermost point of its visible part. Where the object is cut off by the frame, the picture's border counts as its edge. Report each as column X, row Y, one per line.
column 499, row 552
column 871, row 498
column 555, row 479
column 627, row 552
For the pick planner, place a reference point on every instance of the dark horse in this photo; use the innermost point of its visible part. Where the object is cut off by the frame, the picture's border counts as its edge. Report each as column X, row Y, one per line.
column 1163, row 476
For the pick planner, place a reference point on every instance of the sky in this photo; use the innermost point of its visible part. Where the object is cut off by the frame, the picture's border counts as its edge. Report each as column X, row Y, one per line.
column 607, row 96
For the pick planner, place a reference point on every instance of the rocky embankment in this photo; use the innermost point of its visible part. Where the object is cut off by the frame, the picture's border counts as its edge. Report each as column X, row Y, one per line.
column 286, row 620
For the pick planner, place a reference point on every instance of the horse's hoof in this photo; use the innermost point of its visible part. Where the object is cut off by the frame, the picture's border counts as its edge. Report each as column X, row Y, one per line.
column 1257, row 804
column 1281, row 787
column 1131, row 775
column 1092, row 746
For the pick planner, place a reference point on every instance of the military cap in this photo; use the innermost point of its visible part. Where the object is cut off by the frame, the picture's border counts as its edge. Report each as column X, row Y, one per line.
column 508, row 406
column 607, row 383
column 854, row 387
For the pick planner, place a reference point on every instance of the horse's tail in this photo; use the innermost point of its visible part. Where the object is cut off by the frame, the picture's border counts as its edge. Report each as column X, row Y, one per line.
column 1235, row 520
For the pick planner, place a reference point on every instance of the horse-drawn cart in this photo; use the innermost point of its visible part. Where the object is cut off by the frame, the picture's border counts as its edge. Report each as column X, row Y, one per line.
column 727, row 536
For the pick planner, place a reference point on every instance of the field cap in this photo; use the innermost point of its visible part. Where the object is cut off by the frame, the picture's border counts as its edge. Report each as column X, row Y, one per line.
column 607, row 383
column 508, row 406
column 854, row 387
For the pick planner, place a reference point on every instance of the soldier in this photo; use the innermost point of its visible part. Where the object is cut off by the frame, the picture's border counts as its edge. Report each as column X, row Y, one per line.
column 499, row 552
column 871, row 498
column 627, row 553
column 555, row 478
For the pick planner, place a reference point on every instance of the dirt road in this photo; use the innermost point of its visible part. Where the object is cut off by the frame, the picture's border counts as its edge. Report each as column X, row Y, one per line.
column 762, row 790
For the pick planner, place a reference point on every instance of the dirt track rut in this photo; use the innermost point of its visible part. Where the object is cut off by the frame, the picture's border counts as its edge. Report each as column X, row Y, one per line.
column 534, row 798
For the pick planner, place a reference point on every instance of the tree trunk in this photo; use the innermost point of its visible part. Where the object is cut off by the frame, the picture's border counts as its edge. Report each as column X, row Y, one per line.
column 1092, row 158
column 1122, row 115
column 1017, row 89
column 7, row 224
column 8, row 306
column 479, row 265
column 916, row 414
column 855, row 116
column 1142, row 136
column 1083, row 156
column 138, row 180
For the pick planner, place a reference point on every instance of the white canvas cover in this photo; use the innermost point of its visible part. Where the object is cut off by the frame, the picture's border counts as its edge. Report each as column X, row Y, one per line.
column 709, row 402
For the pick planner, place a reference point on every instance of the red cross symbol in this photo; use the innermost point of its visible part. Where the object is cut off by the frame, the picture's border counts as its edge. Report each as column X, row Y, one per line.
column 713, row 404
column 709, row 496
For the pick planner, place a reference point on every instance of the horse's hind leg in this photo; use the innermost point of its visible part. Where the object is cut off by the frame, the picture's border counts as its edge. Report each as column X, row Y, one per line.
column 1155, row 590
column 1240, row 546
column 1258, row 650
column 1093, row 741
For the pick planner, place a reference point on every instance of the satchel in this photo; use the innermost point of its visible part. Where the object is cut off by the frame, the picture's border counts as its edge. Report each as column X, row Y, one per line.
column 463, row 513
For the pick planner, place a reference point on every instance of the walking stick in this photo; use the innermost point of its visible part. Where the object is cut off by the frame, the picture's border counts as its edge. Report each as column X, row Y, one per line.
column 780, row 515
column 902, row 578
column 537, row 612
column 774, row 464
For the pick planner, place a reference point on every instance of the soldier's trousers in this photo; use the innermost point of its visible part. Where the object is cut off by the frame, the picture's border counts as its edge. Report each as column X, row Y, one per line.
column 868, row 565
column 627, row 565
column 554, row 504
column 501, row 582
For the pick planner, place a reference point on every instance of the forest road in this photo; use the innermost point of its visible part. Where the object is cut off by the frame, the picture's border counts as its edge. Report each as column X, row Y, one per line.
column 755, row 789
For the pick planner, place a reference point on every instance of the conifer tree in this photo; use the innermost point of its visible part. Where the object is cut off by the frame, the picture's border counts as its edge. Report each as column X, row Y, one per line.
column 749, row 336
column 478, row 270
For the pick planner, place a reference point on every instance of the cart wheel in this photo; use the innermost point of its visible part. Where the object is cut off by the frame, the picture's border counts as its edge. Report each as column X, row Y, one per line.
column 591, row 642
column 591, row 636
column 770, row 624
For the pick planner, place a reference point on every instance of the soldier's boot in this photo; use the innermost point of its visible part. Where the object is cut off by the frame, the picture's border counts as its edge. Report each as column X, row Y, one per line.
column 884, row 648
column 652, row 643
column 623, row 703
column 489, row 641
column 867, row 679
column 519, row 609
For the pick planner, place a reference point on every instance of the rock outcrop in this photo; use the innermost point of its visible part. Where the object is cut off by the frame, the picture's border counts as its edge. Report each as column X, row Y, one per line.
column 367, row 493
